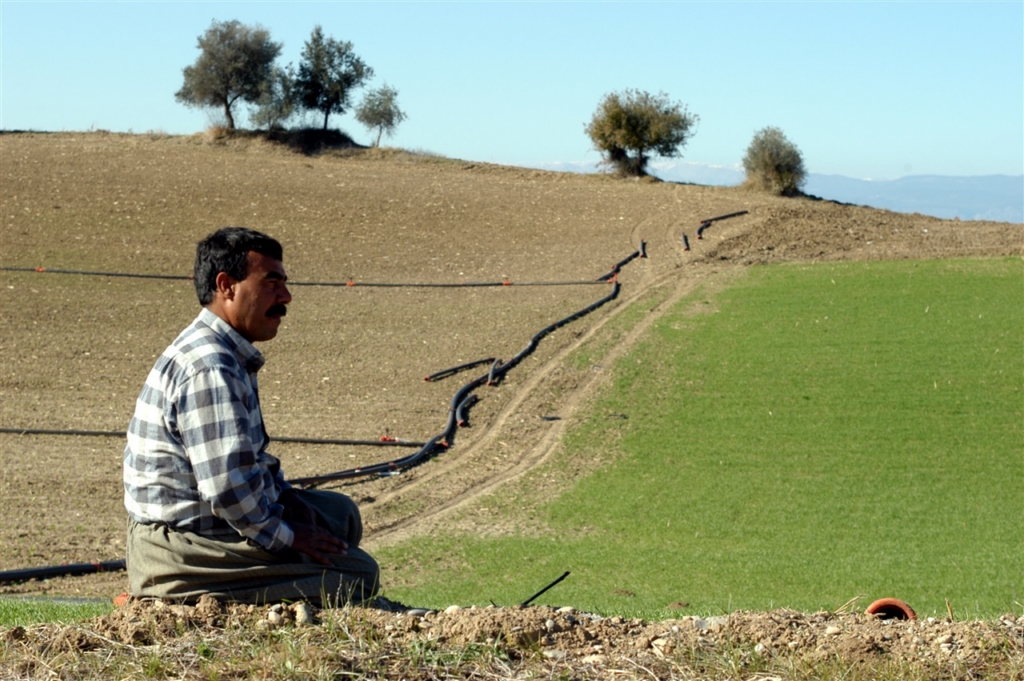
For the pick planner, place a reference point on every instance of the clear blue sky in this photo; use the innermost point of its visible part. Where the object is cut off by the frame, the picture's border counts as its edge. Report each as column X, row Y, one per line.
column 865, row 89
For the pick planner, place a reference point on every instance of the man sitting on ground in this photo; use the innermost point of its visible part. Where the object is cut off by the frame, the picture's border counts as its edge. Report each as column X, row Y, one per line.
column 209, row 509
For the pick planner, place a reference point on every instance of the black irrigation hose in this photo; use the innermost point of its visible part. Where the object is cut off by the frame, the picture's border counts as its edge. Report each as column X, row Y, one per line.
column 181, row 277
column 726, row 216
column 462, row 412
column 466, row 284
column 704, row 224
column 532, row 345
column 61, row 570
column 50, row 270
column 383, row 442
column 384, row 468
column 47, row 431
column 447, row 437
column 641, row 253
column 461, row 400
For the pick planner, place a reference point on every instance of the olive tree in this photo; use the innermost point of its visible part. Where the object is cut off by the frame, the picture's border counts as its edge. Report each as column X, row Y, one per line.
column 234, row 63
column 379, row 111
column 276, row 104
column 629, row 128
column 328, row 73
column 774, row 164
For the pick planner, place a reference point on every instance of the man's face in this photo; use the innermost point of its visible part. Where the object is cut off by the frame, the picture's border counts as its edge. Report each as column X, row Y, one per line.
column 258, row 302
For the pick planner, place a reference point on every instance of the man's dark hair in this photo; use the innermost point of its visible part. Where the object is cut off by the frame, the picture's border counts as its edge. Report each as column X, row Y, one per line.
column 227, row 250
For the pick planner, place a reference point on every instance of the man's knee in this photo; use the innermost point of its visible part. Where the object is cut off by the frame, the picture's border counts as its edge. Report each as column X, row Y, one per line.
column 340, row 513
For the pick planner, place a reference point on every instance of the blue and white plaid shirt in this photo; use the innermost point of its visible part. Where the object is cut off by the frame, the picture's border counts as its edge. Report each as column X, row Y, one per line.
column 195, row 458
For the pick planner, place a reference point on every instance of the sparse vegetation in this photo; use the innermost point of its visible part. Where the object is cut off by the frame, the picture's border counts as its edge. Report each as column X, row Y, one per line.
column 235, row 63
column 629, row 128
column 212, row 641
column 277, row 102
column 774, row 164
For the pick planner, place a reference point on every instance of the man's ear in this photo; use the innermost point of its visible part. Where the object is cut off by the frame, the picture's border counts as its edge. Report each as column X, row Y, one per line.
column 225, row 285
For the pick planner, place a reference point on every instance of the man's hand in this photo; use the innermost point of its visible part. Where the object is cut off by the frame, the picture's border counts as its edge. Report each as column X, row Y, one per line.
column 316, row 542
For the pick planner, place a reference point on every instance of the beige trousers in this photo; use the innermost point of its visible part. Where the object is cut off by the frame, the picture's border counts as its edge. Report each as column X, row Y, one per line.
column 179, row 565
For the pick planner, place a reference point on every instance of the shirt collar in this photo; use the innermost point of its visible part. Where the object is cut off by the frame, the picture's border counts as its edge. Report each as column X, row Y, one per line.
column 251, row 358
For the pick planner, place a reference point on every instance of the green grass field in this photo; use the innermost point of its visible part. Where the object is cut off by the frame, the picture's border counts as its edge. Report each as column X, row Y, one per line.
column 811, row 434
column 24, row 611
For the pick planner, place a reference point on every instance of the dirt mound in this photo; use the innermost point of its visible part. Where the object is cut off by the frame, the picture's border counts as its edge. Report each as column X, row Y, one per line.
column 539, row 638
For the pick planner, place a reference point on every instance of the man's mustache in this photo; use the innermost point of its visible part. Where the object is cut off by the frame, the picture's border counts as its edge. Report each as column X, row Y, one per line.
column 277, row 311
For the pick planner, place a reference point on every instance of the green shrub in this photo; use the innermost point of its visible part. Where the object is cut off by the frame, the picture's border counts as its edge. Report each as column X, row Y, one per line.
column 774, row 164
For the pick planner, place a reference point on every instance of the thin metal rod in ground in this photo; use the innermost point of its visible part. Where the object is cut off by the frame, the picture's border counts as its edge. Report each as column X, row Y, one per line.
column 534, row 597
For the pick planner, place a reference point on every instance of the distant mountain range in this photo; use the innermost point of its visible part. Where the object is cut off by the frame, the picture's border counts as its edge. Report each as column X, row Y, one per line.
column 984, row 197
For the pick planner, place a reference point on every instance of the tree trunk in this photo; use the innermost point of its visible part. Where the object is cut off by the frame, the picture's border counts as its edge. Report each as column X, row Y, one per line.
column 227, row 115
column 380, row 131
column 326, row 116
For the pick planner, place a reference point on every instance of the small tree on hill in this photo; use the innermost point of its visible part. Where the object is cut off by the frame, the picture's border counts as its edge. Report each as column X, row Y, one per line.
column 328, row 73
column 774, row 164
column 631, row 127
column 379, row 111
column 235, row 62
column 276, row 104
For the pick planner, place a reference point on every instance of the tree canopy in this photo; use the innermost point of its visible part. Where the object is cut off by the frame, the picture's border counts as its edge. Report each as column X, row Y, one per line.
column 629, row 128
column 774, row 164
column 379, row 111
column 328, row 73
column 235, row 62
